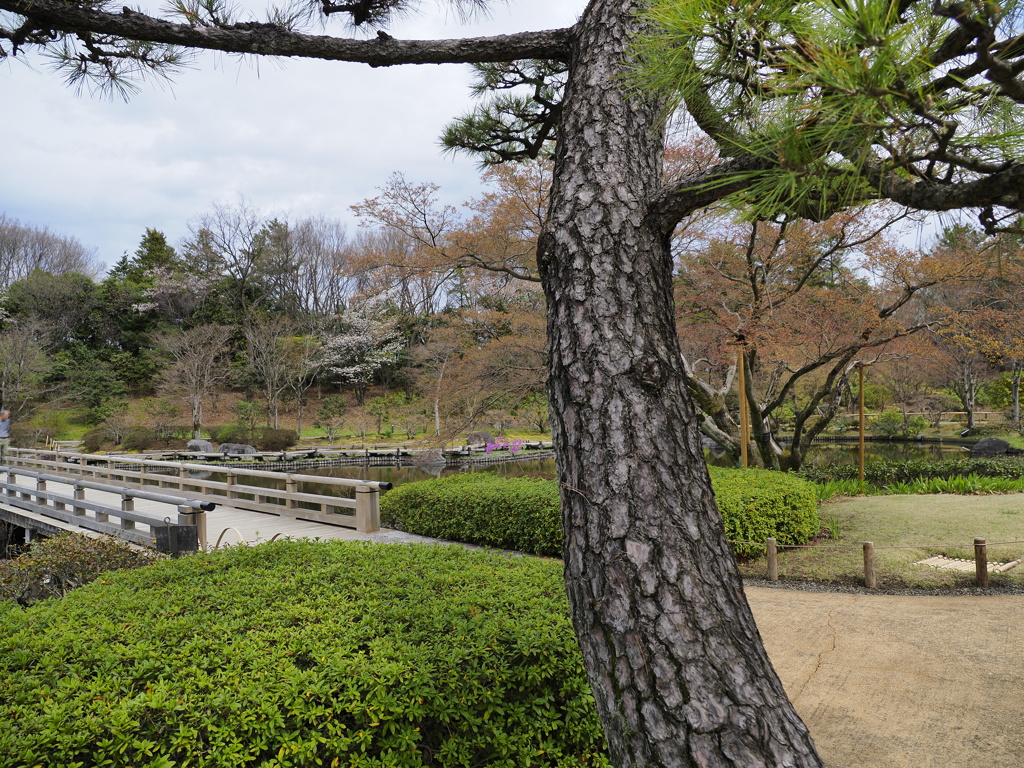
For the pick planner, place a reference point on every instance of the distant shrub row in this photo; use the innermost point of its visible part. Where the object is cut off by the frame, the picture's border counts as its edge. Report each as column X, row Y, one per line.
column 262, row 438
column 883, row 473
column 525, row 514
column 138, row 439
column 302, row 654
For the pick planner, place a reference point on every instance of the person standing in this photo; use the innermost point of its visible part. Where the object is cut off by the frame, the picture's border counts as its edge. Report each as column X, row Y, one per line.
column 5, row 433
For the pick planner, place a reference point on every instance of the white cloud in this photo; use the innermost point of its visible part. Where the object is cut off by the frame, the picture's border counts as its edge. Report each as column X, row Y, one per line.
column 298, row 138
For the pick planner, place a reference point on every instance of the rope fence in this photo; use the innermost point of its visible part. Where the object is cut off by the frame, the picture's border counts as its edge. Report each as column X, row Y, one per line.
column 981, row 566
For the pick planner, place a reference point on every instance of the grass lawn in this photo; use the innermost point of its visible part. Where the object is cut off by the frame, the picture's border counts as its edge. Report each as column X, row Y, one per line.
column 921, row 526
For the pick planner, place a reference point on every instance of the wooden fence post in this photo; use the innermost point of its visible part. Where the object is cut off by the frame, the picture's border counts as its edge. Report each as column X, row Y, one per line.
column 870, row 579
column 981, row 562
column 773, row 560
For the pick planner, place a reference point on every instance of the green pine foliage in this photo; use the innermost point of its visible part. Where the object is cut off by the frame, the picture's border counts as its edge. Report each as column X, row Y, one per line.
column 525, row 514
column 302, row 654
column 830, row 98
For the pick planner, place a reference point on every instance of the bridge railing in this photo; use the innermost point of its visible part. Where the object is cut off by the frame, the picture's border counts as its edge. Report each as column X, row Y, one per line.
column 275, row 493
column 95, row 515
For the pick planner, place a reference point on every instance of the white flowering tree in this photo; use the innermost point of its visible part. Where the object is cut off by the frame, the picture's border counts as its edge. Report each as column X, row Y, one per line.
column 367, row 343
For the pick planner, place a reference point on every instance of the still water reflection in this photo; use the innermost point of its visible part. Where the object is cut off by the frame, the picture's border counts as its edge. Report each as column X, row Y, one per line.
column 831, row 454
column 822, row 454
column 406, row 474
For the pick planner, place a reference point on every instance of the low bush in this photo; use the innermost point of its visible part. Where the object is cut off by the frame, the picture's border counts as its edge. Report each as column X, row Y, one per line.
column 94, row 440
column 894, row 423
column 480, row 508
column 525, row 515
column 138, row 439
column 883, row 473
column 302, row 654
column 229, row 433
column 55, row 566
column 759, row 504
column 276, row 439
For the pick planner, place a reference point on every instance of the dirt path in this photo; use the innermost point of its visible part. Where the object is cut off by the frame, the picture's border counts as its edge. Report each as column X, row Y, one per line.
column 901, row 682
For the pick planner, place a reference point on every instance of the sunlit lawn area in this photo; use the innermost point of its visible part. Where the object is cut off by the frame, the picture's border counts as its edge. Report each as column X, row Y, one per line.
column 921, row 525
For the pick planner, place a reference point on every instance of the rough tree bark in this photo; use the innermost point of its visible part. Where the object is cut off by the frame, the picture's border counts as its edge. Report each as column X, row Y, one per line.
column 673, row 655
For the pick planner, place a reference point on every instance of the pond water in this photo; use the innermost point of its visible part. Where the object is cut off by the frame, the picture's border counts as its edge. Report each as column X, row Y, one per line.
column 407, row 474
column 831, row 454
column 822, row 454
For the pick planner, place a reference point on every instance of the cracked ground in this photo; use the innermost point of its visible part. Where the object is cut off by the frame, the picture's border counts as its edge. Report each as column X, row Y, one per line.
column 888, row 681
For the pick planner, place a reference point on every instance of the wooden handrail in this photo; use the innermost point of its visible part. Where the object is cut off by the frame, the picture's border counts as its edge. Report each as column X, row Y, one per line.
column 288, row 501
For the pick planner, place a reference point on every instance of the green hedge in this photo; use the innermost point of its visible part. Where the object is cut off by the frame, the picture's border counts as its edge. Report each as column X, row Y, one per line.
column 883, row 473
column 758, row 504
column 517, row 513
column 302, row 654
column 525, row 514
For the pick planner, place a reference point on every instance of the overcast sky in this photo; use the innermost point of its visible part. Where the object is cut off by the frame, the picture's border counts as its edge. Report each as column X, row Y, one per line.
column 296, row 138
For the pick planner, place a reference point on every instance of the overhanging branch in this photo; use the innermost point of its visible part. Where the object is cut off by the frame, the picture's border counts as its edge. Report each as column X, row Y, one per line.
column 699, row 190
column 1004, row 189
column 275, row 40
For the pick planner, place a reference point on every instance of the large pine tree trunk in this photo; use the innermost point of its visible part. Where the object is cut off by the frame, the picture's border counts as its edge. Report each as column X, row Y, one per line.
column 672, row 651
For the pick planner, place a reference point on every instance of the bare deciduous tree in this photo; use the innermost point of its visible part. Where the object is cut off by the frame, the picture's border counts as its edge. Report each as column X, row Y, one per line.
column 198, row 364
column 23, row 363
column 24, row 248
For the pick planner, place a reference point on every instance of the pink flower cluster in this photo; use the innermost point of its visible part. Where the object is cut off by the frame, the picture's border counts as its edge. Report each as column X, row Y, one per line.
column 511, row 445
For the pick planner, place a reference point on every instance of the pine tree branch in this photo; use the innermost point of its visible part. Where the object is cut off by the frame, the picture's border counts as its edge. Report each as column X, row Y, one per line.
column 275, row 40
column 696, row 191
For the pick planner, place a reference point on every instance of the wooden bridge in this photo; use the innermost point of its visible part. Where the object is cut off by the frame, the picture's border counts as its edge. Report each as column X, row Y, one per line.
column 169, row 504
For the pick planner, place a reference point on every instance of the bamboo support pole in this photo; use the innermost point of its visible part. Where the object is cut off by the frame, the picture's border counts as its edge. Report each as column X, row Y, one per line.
column 744, row 415
column 860, row 452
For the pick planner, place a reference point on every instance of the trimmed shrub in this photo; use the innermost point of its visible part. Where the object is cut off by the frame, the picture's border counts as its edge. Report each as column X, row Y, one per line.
column 229, row 433
column 276, row 439
column 480, row 508
column 758, row 504
column 303, row 654
column 525, row 515
column 139, row 439
column 55, row 566
column 94, row 440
